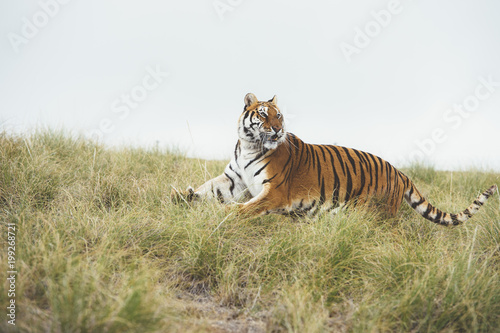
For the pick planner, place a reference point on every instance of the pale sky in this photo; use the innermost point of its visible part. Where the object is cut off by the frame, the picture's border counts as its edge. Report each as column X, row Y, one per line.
column 400, row 79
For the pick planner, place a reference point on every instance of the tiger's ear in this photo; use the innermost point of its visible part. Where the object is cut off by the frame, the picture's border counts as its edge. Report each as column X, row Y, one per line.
column 274, row 100
column 250, row 99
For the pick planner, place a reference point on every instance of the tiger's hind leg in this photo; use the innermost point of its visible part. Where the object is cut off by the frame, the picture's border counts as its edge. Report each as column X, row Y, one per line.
column 384, row 204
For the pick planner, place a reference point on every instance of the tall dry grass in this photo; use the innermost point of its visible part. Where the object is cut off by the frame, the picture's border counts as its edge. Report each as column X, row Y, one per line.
column 100, row 248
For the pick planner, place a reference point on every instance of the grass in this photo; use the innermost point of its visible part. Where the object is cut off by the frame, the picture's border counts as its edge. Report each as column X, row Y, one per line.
column 100, row 248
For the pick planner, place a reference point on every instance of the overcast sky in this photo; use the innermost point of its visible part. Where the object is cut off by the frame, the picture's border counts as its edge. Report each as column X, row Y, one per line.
column 402, row 79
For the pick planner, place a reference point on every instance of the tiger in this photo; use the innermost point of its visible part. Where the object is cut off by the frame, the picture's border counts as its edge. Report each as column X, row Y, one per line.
column 278, row 173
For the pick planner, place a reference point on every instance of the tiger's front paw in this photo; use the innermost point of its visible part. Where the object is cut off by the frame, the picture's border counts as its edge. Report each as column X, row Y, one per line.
column 232, row 208
column 179, row 197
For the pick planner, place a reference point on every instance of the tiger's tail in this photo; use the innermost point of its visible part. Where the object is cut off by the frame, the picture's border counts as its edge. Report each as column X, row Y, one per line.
column 424, row 208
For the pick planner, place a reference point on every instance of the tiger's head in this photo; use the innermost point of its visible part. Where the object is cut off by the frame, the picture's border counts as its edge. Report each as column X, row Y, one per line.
column 262, row 123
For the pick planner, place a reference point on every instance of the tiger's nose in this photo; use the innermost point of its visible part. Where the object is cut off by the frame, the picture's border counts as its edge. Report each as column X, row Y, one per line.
column 276, row 129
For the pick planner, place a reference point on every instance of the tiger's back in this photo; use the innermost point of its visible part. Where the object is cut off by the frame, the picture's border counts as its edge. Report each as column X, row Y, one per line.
column 309, row 179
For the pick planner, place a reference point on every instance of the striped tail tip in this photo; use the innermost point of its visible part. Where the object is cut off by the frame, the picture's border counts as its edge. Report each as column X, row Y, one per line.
column 424, row 208
column 488, row 193
column 493, row 189
column 478, row 203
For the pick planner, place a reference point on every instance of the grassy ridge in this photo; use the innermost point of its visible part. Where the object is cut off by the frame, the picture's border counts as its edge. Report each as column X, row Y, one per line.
column 100, row 248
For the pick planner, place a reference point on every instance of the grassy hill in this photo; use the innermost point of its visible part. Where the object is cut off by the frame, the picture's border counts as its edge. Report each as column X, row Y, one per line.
column 100, row 248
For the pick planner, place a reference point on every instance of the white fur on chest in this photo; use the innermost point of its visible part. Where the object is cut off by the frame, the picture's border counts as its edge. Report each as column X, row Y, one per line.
column 252, row 173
